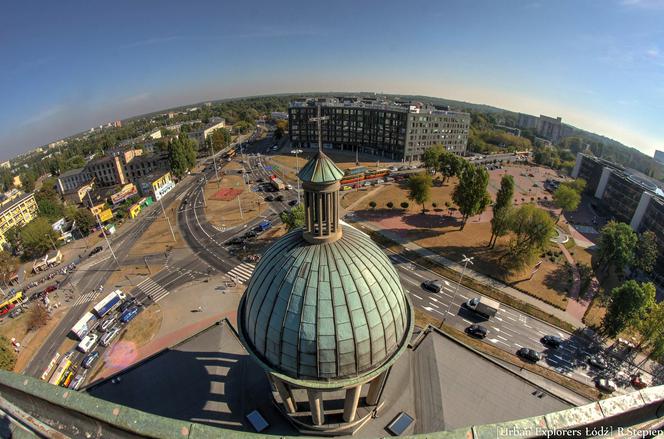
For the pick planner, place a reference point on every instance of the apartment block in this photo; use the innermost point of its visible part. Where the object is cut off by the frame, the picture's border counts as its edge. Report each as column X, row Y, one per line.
column 16, row 210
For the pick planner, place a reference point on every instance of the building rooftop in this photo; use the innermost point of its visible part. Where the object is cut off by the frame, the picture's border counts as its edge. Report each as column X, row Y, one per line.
column 321, row 169
column 15, row 201
column 376, row 104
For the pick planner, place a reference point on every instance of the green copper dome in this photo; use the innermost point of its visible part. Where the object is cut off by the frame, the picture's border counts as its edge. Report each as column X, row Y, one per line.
column 320, row 169
column 321, row 312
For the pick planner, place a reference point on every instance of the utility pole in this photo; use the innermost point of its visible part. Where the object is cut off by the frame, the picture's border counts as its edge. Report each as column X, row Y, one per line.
column 465, row 261
column 52, row 243
column 214, row 161
column 297, row 165
column 167, row 219
column 108, row 243
column 240, row 205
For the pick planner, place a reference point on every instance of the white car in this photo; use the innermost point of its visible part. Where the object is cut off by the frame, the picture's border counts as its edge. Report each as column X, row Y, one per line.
column 109, row 336
column 289, row 187
column 87, row 343
column 606, row 385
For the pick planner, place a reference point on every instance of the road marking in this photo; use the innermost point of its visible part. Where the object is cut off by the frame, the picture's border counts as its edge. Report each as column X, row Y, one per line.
column 242, row 272
column 153, row 290
column 87, row 297
column 518, row 345
column 501, row 337
column 467, row 321
column 413, row 294
column 434, row 305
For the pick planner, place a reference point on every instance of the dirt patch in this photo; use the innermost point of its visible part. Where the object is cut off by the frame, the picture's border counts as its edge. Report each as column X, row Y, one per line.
column 226, row 212
column 130, row 275
column 144, row 327
column 398, row 193
column 226, row 194
column 158, row 237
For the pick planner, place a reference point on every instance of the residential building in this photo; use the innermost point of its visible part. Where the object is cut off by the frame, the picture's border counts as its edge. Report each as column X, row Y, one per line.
column 546, row 127
column 16, row 210
column 659, row 157
column 77, row 196
column 117, row 167
column 527, row 121
column 202, row 134
column 156, row 134
column 156, row 184
column 279, row 115
column 395, row 130
column 6, row 165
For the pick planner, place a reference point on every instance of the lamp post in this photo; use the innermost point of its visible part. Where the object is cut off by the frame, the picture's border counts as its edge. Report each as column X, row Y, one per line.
column 465, row 261
column 104, row 233
column 297, row 152
column 167, row 219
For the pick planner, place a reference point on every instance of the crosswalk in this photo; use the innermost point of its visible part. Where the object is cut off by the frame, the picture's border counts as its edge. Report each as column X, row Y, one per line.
column 153, row 290
column 87, row 297
column 242, row 273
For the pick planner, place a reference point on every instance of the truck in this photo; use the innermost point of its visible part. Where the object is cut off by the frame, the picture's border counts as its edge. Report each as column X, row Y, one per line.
column 109, row 303
column 84, row 325
column 277, row 183
column 484, row 306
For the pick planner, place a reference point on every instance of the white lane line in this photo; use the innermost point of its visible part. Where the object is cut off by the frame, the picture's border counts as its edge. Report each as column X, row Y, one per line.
column 413, row 294
column 518, row 345
column 501, row 337
column 467, row 321
column 434, row 305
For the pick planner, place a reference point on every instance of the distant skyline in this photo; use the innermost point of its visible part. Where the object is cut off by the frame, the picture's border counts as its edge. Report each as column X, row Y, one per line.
column 69, row 66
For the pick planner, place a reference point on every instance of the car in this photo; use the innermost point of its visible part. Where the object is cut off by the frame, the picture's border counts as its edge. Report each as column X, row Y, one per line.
column 529, row 354
column 109, row 336
column 50, row 289
column 279, row 198
column 107, row 323
column 269, row 198
column 87, row 343
column 234, row 241
column 605, row 385
column 250, row 234
column 125, row 305
column 478, row 331
column 638, row 382
column 289, row 187
column 78, row 380
column 96, row 250
column 552, row 341
column 129, row 314
column 598, row 361
column 90, row 359
column 435, row 286
column 15, row 312
column 393, row 168
column 260, row 180
column 292, row 203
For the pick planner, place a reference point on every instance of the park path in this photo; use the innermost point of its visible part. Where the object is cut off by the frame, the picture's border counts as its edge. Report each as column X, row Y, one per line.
column 576, row 305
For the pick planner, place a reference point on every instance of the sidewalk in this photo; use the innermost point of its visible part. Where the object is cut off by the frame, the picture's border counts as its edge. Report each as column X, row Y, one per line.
column 479, row 277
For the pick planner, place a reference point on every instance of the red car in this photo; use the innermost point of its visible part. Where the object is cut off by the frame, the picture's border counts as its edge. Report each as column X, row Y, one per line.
column 50, row 289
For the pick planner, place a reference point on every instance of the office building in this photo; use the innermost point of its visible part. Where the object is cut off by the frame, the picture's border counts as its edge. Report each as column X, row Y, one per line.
column 16, row 210
column 390, row 129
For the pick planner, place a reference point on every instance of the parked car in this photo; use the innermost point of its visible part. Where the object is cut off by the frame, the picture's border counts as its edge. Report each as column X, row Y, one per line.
column 126, row 305
column 87, row 343
column 96, row 250
column 598, row 362
column 129, row 314
column 269, row 198
column 289, row 187
column 478, row 331
column 250, row 234
column 529, row 354
column 50, row 288
column 109, row 336
column 605, row 385
column 78, row 380
column 435, row 286
column 108, row 322
column 279, row 198
column 552, row 341
column 90, row 359
column 292, row 203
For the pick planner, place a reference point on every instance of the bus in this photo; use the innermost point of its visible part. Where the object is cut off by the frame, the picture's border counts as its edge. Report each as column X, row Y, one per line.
column 10, row 303
column 355, row 170
column 62, row 372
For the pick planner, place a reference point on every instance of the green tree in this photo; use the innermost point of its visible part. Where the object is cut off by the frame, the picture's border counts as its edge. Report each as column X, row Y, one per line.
column 651, row 329
column 645, row 254
column 404, row 205
column 85, row 220
column 35, row 237
column 220, row 139
column 7, row 354
column 566, row 199
column 390, row 204
column 500, row 220
column 182, row 155
column 532, row 227
column 6, row 179
column 628, row 305
column 280, row 130
column 616, row 246
column 578, row 184
column 450, row 164
column 293, row 218
column 431, row 157
column 470, row 195
column 49, row 204
column 8, row 266
column 372, row 204
column 28, row 181
column 419, row 187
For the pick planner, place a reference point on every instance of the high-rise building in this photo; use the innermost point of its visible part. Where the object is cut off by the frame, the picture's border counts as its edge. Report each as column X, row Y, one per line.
column 549, row 128
column 395, row 130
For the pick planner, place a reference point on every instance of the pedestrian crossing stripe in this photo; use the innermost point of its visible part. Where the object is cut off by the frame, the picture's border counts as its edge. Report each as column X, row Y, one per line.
column 242, row 273
column 87, row 297
column 153, row 290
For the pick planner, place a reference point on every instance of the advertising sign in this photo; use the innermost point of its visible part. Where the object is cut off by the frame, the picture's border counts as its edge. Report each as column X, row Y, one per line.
column 105, row 215
column 127, row 191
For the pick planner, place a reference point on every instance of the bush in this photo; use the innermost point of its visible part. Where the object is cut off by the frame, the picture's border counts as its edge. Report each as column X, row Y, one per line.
column 372, row 204
column 404, row 205
column 7, row 354
column 37, row 317
column 390, row 204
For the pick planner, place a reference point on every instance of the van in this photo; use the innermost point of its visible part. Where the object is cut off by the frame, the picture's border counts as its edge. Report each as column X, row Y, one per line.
column 109, row 336
column 87, row 343
column 106, row 324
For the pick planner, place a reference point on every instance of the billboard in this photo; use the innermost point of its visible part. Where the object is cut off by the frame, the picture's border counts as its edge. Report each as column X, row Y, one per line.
column 105, row 215
column 128, row 190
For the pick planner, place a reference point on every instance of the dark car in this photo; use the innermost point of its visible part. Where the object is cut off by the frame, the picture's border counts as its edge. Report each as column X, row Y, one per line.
column 96, row 250
column 250, row 234
column 435, row 286
column 234, row 241
column 269, row 198
column 292, row 203
column 478, row 331
column 90, row 359
column 552, row 341
column 529, row 354
column 598, row 362
column 50, row 289
column 126, row 305
column 279, row 198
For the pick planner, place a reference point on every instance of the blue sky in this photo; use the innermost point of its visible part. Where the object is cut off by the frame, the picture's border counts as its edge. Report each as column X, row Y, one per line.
column 67, row 66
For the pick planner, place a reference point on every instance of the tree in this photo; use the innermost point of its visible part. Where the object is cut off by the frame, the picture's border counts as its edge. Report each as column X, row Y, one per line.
column 578, row 184
column 220, row 139
column 280, row 130
column 390, row 204
column 500, row 220
column 372, row 204
column 7, row 354
column 85, row 220
column 450, row 164
column 628, row 305
column 49, row 204
column 37, row 317
column 645, row 253
column 419, row 187
column 8, row 266
column 404, row 205
column 36, row 237
column 431, row 157
column 616, row 246
column 182, row 155
column 293, row 218
column 566, row 198
column 470, row 195
column 533, row 227
column 651, row 329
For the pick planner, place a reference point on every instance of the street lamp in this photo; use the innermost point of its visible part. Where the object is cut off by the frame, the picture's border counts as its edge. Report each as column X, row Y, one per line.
column 297, row 165
column 465, row 261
